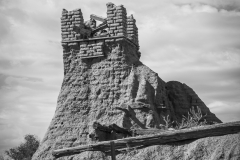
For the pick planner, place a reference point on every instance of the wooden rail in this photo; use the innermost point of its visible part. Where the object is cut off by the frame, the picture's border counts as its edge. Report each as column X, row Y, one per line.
column 155, row 139
column 148, row 131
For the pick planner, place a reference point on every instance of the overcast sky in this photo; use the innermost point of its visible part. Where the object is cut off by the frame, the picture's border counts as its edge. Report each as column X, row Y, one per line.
column 196, row 42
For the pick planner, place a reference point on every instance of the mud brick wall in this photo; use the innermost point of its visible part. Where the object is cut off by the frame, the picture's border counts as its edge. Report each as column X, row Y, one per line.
column 116, row 20
column 91, row 48
column 71, row 23
column 94, row 48
column 132, row 30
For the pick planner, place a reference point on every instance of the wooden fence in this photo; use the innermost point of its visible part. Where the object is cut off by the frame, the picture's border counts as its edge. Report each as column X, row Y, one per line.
column 157, row 137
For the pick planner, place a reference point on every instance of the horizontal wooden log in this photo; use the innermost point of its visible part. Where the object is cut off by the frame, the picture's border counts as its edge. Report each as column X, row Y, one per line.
column 160, row 138
column 147, row 131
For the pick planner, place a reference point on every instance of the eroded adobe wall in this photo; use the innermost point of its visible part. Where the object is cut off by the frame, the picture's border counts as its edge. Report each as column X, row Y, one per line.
column 91, row 49
column 92, row 88
column 71, row 23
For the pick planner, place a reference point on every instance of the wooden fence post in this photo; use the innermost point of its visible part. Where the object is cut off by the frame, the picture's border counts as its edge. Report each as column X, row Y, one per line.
column 113, row 155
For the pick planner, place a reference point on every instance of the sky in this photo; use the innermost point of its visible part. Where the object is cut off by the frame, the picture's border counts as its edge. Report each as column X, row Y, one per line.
column 196, row 42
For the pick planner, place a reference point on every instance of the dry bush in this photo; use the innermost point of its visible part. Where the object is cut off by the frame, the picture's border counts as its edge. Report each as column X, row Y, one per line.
column 167, row 121
column 193, row 119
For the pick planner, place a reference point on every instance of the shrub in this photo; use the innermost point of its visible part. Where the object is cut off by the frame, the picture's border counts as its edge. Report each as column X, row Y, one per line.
column 193, row 119
column 26, row 150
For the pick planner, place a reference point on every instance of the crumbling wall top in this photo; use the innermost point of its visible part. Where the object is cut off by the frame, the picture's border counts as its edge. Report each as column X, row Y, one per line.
column 115, row 24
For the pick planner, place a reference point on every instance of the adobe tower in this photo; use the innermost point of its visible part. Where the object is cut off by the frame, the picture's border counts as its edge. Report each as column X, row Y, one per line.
column 102, row 71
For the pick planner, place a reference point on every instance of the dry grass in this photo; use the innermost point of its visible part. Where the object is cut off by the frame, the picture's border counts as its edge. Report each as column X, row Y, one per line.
column 193, row 119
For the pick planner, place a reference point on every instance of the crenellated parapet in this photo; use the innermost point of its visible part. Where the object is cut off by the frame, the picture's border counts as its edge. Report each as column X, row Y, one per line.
column 132, row 30
column 88, row 39
column 72, row 23
column 117, row 20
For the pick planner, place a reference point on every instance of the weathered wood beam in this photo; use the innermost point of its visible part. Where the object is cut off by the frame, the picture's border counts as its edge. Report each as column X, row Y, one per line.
column 110, row 128
column 131, row 114
column 100, row 127
column 160, row 138
column 140, row 105
column 113, row 155
column 118, row 129
column 98, row 18
column 101, row 27
column 147, row 131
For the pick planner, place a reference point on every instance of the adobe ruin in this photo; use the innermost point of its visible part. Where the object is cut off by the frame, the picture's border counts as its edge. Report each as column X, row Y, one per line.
column 103, row 75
